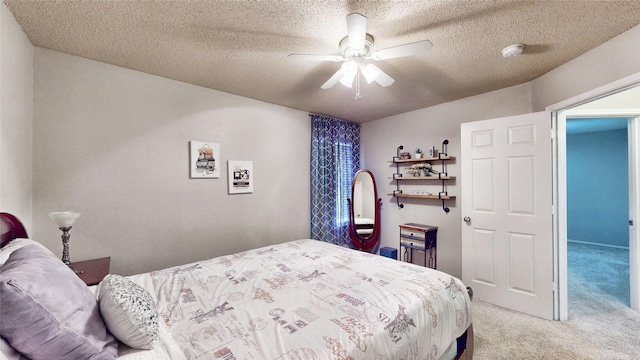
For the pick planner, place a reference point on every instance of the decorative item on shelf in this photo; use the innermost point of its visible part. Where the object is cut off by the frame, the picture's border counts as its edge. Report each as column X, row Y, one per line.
column 433, row 152
column 412, row 172
column 64, row 219
column 399, row 155
column 418, row 153
column 421, row 168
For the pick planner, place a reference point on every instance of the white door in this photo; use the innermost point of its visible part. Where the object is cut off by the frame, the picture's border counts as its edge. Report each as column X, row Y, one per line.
column 507, row 238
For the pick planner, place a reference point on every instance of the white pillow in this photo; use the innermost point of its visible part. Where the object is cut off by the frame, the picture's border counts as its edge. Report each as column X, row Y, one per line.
column 129, row 312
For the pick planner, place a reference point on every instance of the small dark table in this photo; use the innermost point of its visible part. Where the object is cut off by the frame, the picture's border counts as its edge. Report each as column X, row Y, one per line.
column 92, row 271
column 419, row 237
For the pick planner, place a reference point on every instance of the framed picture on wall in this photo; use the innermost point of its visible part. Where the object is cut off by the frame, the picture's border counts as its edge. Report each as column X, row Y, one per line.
column 204, row 160
column 240, row 176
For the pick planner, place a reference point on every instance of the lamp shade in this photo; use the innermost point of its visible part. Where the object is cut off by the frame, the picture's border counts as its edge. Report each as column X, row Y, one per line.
column 64, row 218
column 349, row 70
column 370, row 72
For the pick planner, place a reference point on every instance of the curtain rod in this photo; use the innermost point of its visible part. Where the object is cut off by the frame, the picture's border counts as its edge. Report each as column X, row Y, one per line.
column 311, row 114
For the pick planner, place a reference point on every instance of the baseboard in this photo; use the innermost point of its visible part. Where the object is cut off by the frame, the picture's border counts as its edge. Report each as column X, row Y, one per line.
column 597, row 244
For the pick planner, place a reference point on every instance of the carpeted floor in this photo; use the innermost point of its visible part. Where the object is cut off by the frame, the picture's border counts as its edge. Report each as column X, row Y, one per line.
column 600, row 325
column 601, row 269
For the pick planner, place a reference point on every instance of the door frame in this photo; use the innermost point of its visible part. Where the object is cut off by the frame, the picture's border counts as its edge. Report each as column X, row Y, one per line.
column 560, row 111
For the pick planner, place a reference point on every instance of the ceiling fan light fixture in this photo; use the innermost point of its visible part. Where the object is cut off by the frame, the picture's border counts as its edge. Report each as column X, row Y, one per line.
column 347, row 80
column 356, row 48
column 512, row 50
column 369, row 72
column 349, row 70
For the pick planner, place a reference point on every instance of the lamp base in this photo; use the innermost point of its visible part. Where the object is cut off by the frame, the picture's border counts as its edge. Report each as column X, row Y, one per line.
column 65, row 244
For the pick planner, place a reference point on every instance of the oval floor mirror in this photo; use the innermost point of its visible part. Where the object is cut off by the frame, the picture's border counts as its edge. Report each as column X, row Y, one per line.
column 364, row 211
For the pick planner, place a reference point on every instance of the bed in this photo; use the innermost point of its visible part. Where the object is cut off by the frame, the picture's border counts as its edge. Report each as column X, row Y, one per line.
column 302, row 299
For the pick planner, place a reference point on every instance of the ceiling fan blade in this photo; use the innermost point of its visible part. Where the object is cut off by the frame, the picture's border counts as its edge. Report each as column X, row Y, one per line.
column 315, row 57
column 415, row 48
column 333, row 80
column 357, row 30
column 383, row 79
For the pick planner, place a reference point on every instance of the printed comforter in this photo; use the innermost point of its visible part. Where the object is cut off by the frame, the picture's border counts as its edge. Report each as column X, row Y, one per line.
column 304, row 299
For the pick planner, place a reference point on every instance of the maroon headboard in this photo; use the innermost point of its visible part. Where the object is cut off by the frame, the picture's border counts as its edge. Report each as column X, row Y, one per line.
column 10, row 228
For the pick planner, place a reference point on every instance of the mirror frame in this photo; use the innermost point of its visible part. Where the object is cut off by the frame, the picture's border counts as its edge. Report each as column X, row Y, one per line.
column 369, row 242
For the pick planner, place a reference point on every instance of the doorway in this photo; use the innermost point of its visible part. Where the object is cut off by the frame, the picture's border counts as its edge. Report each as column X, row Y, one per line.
column 603, row 101
column 597, row 212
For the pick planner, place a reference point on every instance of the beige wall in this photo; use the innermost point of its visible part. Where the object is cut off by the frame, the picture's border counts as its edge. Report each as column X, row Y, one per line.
column 613, row 60
column 627, row 99
column 425, row 128
column 16, row 95
column 112, row 144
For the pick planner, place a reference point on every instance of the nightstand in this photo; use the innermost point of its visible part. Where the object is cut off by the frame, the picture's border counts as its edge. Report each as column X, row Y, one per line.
column 419, row 237
column 92, row 271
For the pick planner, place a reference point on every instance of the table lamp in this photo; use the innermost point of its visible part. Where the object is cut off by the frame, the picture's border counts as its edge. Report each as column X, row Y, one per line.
column 65, row 219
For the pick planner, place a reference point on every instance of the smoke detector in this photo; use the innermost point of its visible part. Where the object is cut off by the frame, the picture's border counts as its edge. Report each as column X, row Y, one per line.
column 512, row 50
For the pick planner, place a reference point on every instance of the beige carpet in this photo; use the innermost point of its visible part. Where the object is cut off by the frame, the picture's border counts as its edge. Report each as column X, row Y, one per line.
column 598, row 328
column 600, row 325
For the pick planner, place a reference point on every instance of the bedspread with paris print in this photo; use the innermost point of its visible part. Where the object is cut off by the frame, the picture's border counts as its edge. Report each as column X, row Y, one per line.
column 306, row 300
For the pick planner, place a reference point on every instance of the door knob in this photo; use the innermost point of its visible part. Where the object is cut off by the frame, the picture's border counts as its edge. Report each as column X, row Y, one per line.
column 467, row 219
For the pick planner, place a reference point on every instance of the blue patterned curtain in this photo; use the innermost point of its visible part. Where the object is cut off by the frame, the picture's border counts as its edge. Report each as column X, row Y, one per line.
column 335, row 159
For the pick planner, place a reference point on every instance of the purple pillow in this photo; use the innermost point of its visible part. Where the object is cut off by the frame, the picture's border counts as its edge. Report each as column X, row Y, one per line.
column 47, row 311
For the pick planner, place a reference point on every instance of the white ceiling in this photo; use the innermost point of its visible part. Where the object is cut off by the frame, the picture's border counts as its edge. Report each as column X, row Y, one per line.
column 241, row 47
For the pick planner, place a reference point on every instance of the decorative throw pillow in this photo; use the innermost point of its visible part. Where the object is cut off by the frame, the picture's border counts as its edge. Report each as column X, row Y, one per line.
column 14, row 245
column 129, row 312
column 47, row 312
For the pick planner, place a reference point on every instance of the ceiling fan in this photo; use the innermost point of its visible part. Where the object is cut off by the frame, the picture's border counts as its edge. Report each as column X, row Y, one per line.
column 356, row 49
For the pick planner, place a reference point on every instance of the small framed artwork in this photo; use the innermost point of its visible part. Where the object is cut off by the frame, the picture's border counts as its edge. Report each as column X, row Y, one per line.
column 240, row 176
column 204, row 159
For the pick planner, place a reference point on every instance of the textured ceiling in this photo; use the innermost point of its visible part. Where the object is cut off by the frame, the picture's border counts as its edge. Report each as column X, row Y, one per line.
column 241, row 47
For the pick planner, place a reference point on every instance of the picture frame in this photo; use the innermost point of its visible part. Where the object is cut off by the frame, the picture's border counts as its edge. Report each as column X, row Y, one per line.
column 204, row 160
column 241, row 177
